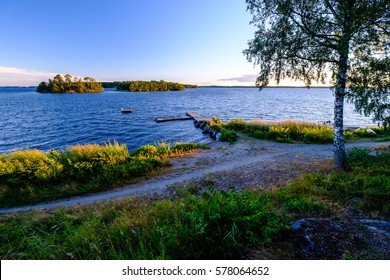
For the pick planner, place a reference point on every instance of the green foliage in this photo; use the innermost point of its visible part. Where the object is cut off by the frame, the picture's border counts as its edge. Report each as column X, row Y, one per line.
column 367, row 183
column 318, row 134
column 357, row 154
column 183, row 148
column 217, row 120
column 303, row 205
column 145, row 86
column 228, row 135
column 216, row 225
column 290, row 131
column 364, row 132
column 58, row 85
column 147, row 151
column 306, row 39
column 33, row 176
column 236, row 124
column 369, row 85
column 296, row 131
column 153, row 85
column 298, row 39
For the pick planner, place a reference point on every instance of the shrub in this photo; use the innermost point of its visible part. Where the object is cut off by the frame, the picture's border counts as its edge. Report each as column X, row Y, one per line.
column 258, row 126
column 289, row 131
column 279, row 133
column 318, row 134
column 216, row 127
column 148, row 151
column 357, row 154
column 365, row 132
column 236, row 124
column 217, row 120
column 228, row 135
column 182, row 148
column 33, row 176
column 216, row 225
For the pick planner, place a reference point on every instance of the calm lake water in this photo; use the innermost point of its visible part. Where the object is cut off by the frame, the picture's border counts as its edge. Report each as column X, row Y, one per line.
column 44, row 121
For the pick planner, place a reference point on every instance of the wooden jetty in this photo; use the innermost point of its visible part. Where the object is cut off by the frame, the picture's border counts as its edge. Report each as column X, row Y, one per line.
column 190, row 116
column 127, row 110
column 197, row 117
column 172, row 119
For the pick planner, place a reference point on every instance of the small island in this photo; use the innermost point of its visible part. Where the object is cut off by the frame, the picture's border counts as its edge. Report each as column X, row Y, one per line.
column 147, row 86
column 70, row 85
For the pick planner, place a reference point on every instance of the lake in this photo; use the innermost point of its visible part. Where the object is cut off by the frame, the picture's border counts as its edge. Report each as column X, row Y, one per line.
column 30, row 120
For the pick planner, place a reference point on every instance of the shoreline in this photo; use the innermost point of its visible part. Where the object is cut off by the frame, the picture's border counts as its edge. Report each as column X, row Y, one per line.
column 249, row 163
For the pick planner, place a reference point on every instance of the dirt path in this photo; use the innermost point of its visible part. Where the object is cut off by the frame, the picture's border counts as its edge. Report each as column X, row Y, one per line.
column 248, row 163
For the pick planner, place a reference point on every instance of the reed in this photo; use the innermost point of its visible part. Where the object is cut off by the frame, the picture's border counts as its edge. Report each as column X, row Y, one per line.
column 33, row 176
column 296, row 131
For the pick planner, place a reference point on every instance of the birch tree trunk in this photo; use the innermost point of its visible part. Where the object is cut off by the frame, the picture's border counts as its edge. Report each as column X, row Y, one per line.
column 340, row 159
column 338, row 143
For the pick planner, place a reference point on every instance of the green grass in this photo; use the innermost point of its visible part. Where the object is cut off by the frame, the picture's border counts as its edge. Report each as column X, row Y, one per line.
column 302, row 132
column 366, row 186
column 290, row 131
column 34, row 176
column 213, row 225
column 228, row 135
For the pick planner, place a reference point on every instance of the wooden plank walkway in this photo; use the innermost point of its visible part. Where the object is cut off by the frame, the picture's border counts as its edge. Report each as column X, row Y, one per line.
column 190, row 116
column 197, row 117
column 172, row 119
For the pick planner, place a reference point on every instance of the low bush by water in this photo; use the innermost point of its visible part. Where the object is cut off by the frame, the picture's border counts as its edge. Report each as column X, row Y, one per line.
column 33, row 176
column 296, row 131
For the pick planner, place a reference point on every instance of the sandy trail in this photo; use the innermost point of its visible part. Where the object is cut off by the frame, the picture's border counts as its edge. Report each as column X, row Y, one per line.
column 247, row 163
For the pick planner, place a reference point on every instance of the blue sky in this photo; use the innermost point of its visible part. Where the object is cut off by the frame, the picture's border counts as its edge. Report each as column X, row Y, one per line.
column 188, row 41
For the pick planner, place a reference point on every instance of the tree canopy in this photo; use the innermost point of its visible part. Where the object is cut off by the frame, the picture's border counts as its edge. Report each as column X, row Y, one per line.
column 308, row 39
column 146, row 86
column 368, row 88
column 59, row 85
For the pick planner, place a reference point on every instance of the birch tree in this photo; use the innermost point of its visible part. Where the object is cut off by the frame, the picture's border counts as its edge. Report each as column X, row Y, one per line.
column 308, row 39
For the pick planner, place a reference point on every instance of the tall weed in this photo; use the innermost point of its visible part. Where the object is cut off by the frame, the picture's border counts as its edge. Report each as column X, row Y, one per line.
column 32, row 176
column 217, row 225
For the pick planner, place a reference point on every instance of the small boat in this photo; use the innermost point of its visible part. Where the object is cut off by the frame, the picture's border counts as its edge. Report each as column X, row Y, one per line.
column 127, row 110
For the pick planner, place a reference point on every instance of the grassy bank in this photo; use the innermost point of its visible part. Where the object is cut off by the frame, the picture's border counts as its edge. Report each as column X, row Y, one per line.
column 292, row 131
column 213, row 225
column 33, row 176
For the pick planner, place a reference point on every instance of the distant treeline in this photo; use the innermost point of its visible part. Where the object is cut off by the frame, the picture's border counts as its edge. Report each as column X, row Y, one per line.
column 146, row 86
column 59, row 85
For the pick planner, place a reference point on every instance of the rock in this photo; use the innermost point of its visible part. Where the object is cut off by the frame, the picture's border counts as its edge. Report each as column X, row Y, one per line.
column 370, row 131
column 324, row 238
column 378, row 226
column 206, row 130
column 197, row 124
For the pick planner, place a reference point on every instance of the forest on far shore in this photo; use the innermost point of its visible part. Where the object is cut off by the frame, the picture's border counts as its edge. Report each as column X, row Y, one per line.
column 146, row 86
column 68, row 85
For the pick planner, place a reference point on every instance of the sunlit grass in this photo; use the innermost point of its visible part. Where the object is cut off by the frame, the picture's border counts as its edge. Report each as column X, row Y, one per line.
column 290, row 131
column 32, row 176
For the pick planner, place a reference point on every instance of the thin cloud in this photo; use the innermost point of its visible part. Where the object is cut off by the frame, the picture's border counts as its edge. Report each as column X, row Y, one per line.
column 241, row 79
column 11, row 76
